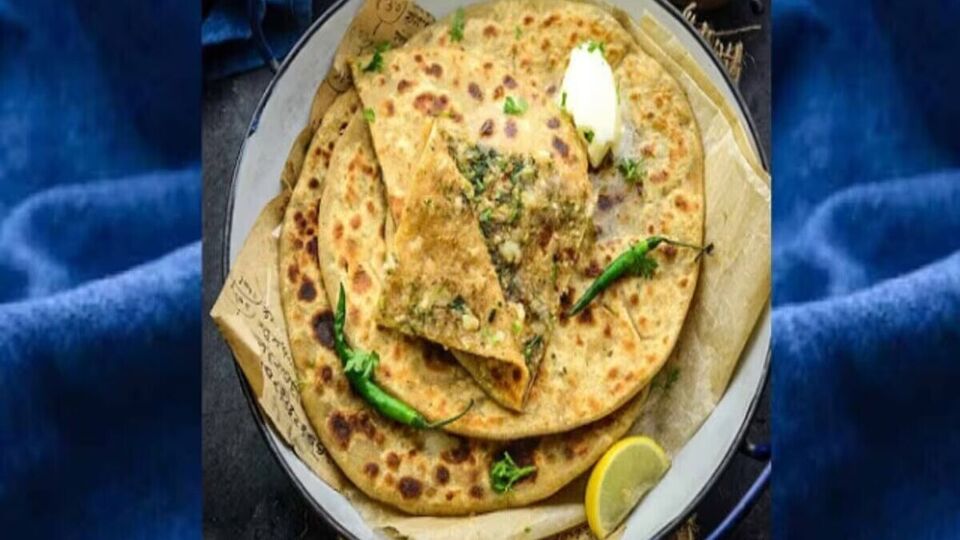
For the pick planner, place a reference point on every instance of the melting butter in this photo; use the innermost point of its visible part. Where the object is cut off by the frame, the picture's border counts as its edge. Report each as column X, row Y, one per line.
column 589, row 94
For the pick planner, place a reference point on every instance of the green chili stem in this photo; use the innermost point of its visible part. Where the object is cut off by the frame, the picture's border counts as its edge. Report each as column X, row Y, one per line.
column 634, row 259
column 441, row 423
column 363, row 384
column 339, row 319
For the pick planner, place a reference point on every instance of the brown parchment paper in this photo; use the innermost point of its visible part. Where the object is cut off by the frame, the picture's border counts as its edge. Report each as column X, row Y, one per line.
column 250, row 317
column 376, row 21
column 732, row 292
column 734, row 282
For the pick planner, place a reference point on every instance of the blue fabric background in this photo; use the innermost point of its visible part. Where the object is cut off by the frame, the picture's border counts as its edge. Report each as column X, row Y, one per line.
column 99, row 269
column 866, row 363
column 228, row 45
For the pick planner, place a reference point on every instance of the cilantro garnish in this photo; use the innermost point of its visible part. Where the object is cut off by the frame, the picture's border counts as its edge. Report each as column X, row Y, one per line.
column 458, row 304
column 369, row 115
column 630, row 169
column 531, row 346
column 376, row 62
column 362, row 363
column 672, row 378
column 505, row 472
column 667, row 379
column 593, row 45
column 644, row 266
column 515, row 107
column 456, row 27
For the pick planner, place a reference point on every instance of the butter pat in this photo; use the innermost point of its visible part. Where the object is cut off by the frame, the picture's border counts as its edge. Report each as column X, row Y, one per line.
column 589, row 94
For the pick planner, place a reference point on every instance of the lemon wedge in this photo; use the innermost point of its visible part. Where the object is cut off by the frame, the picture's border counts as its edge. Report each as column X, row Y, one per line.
column 623, row 475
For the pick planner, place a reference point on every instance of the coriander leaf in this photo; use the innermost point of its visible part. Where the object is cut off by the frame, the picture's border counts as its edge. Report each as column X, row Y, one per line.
column 593, row 45
column 376, row 62
column 666, row 379
column 456, row 27
column 644, row 266
column 672, row 378
column 369, row 115
column 531, row 347
column 588, row 135
column 476, row 166
column 504, row 473
column 458, row 304
column 516, row 171
column 515, row 107
column 362, row 363
column 630, row 169
column 356, row 361
column 517, row 33
column 517, row 208
column 563, row 100
column 486, row 215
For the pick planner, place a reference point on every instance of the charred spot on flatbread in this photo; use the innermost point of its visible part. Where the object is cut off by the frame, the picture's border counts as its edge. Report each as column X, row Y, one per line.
column 322, row 324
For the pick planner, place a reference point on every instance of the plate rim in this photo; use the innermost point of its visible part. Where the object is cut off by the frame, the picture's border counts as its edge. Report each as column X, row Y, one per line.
column 262, row 422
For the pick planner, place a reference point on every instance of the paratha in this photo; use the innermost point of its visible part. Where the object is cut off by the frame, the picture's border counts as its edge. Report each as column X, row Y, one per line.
column 441, row 284
column 421, row 472
column 534, row 36
column 528, row 180
column 598, row 360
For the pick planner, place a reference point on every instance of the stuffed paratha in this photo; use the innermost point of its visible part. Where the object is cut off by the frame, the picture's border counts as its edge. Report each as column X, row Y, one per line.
column 528, row 185
column 421, row 472
column 441, row 283
column 596, row 361
column 659, row 133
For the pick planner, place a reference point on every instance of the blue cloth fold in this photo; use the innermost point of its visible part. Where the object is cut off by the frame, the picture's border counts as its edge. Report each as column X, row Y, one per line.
column 866, row 356
column 99, row 269
column 229, row 46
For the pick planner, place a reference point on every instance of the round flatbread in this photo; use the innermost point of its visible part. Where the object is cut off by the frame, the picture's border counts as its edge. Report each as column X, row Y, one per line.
column 595, row 362
column 421, row 472
column 514, row 177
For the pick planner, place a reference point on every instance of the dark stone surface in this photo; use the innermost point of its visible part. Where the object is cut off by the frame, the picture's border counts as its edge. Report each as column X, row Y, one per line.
column 246, row 492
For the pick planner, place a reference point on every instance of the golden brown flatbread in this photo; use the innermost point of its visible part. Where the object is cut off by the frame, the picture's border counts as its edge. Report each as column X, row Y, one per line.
column 421, row 472
column 597, row 361
column 441, row 284
column 528, row 176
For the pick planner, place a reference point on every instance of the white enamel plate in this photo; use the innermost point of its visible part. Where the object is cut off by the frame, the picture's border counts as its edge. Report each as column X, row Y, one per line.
column 278, row 119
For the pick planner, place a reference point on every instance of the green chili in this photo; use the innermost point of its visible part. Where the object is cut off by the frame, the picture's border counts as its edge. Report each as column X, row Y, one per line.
column 359, row 366
column 504, row 473
column 634, row 261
